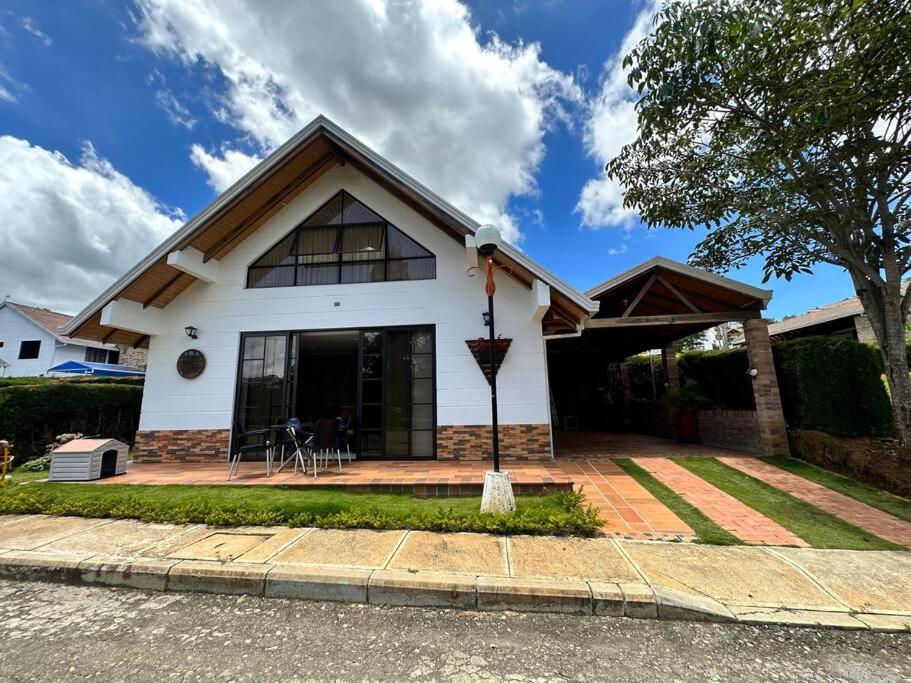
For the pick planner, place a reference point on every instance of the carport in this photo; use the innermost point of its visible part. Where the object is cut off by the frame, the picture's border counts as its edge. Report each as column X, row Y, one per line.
column 648, row 307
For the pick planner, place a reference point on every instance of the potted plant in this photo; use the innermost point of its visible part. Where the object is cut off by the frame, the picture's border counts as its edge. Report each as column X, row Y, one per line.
column 685, row 402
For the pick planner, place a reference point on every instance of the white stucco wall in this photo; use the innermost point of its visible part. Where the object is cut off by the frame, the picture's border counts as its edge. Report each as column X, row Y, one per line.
column 452, row 302
column 14, row 329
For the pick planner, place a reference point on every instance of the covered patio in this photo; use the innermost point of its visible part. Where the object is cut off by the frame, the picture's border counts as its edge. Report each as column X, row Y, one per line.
column 650, row 307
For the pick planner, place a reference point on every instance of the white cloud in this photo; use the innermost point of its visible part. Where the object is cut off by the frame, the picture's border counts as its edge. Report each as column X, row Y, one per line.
column 225, row 169
column 31, row 27
column 177, row 114
column 611, row 124
column 463, row 113
column 9, row 86
column 69, row 229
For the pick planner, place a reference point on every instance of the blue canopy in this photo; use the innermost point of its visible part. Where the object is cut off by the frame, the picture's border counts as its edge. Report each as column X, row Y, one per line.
column 80, row 367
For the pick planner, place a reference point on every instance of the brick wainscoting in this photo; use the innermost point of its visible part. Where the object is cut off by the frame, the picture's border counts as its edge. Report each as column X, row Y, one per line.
column 472, row 442
column 182, row 445
column 736, row 429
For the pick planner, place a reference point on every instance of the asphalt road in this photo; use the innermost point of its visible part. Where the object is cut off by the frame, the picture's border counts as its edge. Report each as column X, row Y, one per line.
column 52, row 632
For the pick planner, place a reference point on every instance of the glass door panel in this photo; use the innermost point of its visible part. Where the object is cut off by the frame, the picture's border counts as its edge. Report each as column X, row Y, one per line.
column 397, row 393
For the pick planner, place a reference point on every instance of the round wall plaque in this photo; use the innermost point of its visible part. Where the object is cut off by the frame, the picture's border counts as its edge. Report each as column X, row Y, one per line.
column 191, row 363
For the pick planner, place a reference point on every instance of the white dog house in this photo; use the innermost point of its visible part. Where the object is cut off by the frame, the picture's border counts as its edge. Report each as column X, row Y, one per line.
column 84, row 459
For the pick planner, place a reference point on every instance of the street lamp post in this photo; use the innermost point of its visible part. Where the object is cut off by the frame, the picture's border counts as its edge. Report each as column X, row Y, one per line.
column 497, row 495
column 491, row 288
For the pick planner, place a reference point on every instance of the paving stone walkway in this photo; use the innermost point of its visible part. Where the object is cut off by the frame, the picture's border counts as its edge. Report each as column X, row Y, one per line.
column 726, row 511
column 629, row 510
column 852, row 511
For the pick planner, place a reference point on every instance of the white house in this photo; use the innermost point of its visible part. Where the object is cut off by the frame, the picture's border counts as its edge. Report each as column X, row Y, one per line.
column 31, row 342
column 328, row 283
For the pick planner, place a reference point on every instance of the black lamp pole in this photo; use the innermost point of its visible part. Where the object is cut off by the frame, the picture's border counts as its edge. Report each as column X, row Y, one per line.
column 491, row 288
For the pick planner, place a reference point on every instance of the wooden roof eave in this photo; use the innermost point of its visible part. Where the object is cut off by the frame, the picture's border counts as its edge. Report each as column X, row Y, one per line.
column 152, row 282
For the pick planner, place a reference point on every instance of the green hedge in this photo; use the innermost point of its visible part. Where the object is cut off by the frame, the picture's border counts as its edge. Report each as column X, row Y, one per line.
column 722, row 375
column 833, row 385
column 828, row 384
column 31, row 416
column 83, row 379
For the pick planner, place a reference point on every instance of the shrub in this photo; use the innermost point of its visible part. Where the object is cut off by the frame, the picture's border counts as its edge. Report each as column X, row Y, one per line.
column 833, row 385
column 32, row 415
column 721, row 375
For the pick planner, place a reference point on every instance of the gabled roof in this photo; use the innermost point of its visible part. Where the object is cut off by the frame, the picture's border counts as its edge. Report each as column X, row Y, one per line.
column 50, row 321
column 846, row 308
column 241, row 209
column 687, row 271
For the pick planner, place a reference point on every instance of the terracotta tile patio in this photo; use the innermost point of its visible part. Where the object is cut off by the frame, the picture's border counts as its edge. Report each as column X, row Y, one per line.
column 586, row 445
column 422, row 478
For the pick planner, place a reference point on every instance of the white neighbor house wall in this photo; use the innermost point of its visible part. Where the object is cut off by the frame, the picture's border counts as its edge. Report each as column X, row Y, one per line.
column 15, row 329
column 452, row 302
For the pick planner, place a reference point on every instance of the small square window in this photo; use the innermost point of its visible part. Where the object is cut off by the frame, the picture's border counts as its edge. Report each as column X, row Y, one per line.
column 29, row 349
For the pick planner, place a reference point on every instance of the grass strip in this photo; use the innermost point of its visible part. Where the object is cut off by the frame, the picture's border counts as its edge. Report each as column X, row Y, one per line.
column 872, row 496
column 705, row 529
column 817, row 527
column 559, row 513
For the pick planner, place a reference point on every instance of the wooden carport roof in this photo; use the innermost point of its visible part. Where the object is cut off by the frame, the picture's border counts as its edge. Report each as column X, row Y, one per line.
column 660, row 301
column 264, row 191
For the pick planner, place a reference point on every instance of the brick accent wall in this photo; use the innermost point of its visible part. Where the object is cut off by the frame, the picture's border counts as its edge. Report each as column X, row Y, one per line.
column 472, row 442
column 737, row 429
column 182, row 445
column 769, row 414
column 671, row 373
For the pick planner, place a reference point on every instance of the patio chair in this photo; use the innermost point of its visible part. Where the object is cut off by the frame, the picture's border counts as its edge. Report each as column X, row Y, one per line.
column 242, row 448
column 325, row 440
column 303, row 444
column 344, row 425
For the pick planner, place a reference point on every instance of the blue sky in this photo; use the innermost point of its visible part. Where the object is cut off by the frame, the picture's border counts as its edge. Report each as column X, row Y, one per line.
column 121, row 119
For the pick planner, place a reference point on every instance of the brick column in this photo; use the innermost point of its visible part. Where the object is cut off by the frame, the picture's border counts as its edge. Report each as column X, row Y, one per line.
column 624, row 383
column 772, row 430
column 669, row 362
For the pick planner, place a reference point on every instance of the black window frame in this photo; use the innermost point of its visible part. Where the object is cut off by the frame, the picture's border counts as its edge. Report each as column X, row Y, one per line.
column 23, row 347
column 338, row 261
column 108, row 356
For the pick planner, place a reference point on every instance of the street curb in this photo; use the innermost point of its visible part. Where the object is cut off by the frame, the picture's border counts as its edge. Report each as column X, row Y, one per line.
column 418, row 589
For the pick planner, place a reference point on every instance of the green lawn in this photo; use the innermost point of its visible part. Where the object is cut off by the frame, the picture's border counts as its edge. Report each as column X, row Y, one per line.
column 705, row 529
column 21, row 476
column 817, row 527
column 874, row 497
column 562, row 513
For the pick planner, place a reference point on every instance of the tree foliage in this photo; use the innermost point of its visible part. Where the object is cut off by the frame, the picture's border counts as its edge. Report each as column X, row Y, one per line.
column 783, row 126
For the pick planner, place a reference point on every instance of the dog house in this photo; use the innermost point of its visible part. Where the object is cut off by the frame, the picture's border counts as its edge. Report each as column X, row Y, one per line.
column 84, row 459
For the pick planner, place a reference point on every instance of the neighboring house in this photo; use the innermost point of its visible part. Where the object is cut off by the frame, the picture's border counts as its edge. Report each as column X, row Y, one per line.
column 31, row 342
column 845, row 318
column 328, row 283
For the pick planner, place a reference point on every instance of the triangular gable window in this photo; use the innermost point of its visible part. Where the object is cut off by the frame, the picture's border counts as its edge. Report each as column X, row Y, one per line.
column 342, row 242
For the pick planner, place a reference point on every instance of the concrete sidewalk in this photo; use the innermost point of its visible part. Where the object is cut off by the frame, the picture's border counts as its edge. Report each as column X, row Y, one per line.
column 601, row 576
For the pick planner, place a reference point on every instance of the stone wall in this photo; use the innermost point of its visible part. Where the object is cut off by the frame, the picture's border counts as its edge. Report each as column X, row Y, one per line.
column 880, row 462
column 736, row 429
column 135, row 358
column 182, row 445
column 473, row 442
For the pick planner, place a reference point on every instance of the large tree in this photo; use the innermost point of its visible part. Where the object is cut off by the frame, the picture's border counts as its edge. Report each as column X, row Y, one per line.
column 783, row 126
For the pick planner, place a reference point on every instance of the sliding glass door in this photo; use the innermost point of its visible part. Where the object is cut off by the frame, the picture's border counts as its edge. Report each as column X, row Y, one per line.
column 397, row 393
column 381, row 379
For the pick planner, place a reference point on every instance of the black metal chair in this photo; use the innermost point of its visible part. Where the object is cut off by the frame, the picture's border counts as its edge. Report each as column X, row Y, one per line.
column 344, row 426
column 325, row 440
column 261, row 442
column 302, row 443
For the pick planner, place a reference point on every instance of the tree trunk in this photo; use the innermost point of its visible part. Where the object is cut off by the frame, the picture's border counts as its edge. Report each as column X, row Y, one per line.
column 882, row 306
